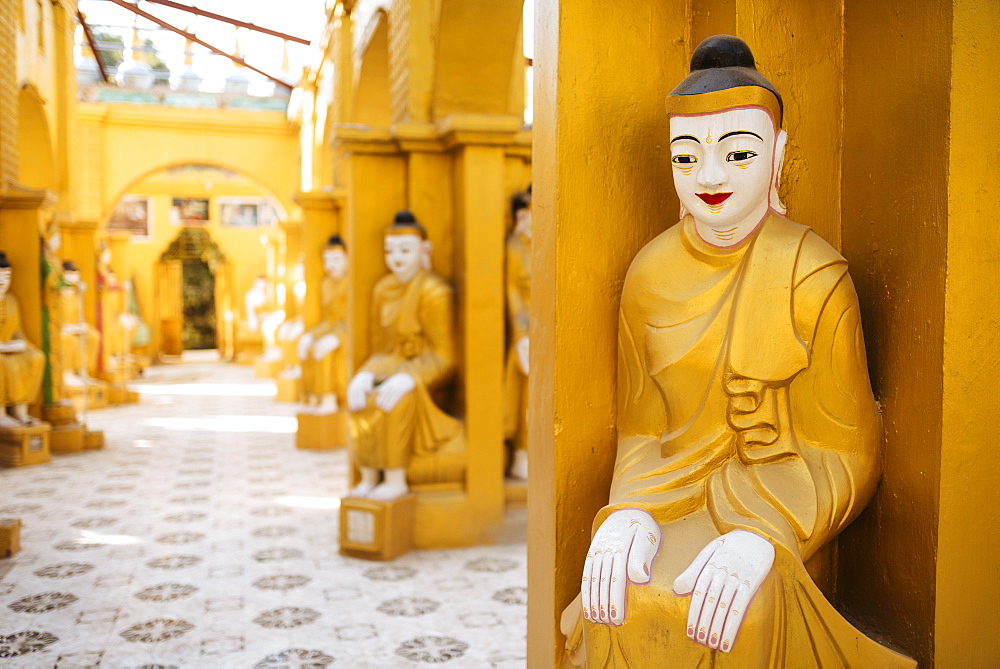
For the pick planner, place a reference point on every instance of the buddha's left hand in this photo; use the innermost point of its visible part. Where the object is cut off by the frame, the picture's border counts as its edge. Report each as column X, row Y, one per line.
column 392, row 390
column 724, row 579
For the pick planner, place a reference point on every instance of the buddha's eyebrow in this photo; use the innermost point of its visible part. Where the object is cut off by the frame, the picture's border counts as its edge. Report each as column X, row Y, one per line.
column 741, row 132
column 691, row 137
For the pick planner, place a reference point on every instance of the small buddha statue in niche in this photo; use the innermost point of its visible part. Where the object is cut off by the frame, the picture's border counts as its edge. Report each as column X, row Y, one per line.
column 21, row 364
column 321, row 348
column 79, row 339
column 412, row 353
column 293, row 327
column 748, row 435
column 519, row 317
column 257, row 304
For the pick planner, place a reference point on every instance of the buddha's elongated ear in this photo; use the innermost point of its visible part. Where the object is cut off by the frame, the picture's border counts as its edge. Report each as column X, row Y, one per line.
column 780, row 142
column 425, row 256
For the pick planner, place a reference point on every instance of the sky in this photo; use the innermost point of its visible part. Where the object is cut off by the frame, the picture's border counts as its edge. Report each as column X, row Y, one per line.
column 302, row 18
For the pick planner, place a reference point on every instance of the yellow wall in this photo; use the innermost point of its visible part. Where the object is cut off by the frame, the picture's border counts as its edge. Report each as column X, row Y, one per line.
column 241, row 246
column 883, row 105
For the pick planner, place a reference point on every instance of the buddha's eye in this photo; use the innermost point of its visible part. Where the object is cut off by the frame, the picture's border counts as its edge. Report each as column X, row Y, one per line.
column 684, row 160
column 738, row 156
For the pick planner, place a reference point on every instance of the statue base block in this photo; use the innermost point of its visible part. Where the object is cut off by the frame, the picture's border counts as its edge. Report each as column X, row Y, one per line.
column 320, row 432
column 515, row 493
column 66, row 438
column 267, row 369
column 10, row 536
column 373, row 530
column 288, row 390
column 93, row 440
column 25, row 445
column 119, row 395
column 96, row 396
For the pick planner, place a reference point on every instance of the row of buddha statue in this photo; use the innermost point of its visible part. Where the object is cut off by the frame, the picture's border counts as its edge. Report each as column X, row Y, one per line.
column 392, row 403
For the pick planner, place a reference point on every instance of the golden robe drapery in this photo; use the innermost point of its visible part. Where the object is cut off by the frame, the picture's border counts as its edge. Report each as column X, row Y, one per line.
column 744, row 402
column 412, row 331
column 23, row 370
column 329, row 374
column 519, row 317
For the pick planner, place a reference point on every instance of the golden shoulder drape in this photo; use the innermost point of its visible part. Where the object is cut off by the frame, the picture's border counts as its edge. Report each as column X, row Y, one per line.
column 22, row 371
column 328, row 375
column 744, row 402
column 412, row 332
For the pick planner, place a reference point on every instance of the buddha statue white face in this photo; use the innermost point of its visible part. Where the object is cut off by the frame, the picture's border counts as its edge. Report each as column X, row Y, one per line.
column 404, row 255
column 5, row 276
column 72, row 277
column 724, row 165
column 335, row 262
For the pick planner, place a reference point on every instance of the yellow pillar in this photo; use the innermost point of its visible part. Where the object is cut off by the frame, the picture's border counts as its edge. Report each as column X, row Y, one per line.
column 79, row 244
column 289, row 251
column 376, row 190
column 22, row 211
column 601, row 190
column 320, row 219
column 117, row 243
column 65, row 135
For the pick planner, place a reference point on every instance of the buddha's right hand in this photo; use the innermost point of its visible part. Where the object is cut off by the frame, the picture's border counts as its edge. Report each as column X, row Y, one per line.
column 621, row 551
column 358, row 390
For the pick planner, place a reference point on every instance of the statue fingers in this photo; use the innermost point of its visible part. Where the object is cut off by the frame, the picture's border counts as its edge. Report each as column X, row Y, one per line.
column 722, row 605
column 685, row 583
column 595, row 586
column 585, row 585
column 696, row 630
column 616, row 588
column 737, row 611
column 643, row 548
column 604, row 585
column 711, row 604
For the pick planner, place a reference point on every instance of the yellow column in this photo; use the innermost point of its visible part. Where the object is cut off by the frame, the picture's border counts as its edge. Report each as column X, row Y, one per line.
column 969, row 525
column 289, row 250
column 376, row 189
column 117, row 241
column 320, row 219
column 480, row 207
column 66, row 137
column 599, row 90
column 21, row 213
column 79, row 245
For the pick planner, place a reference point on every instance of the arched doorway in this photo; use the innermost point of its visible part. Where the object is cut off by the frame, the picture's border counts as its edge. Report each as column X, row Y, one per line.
column 193, row 292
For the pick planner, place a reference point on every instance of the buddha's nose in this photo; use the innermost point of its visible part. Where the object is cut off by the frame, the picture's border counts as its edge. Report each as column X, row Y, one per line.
column 712, row 174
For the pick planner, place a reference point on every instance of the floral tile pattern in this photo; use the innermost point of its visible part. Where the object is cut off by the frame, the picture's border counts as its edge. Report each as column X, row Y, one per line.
column 186, row 543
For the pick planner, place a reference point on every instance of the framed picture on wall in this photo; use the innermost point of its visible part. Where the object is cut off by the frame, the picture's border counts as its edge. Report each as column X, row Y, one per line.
column 246, row 212
column 189, row 211
column 133, row 214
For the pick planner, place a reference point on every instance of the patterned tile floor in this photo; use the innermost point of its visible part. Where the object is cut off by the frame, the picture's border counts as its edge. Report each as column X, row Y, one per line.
column 202, row 538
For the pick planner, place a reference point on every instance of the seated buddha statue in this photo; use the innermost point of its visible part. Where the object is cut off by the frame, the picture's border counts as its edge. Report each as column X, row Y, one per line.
column 21, row 364
column 518, row 283
column 412, row 354
column 79, row 339
column 748, row 435
column 320, row 349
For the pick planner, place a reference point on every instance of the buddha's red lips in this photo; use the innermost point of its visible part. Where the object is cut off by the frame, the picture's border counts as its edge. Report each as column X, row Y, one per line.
column 714, row 198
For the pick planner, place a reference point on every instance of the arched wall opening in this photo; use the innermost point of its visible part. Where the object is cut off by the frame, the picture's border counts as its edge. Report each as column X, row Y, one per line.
column 235, row 215
column 36, row 159
column 372, row 105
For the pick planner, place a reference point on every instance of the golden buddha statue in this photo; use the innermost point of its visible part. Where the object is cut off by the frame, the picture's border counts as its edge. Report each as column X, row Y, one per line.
column 320, row 349
column 748, row 436
column 519, row 317
column 21, row 364
column 79, row 339
column 412, row 354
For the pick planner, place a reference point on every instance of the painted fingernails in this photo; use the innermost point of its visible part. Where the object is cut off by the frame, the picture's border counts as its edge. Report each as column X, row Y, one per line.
column 715, row 638
column 586, row 614
column 725, row 645
column 690, row 632
column 701, row 634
